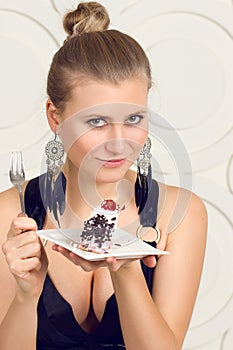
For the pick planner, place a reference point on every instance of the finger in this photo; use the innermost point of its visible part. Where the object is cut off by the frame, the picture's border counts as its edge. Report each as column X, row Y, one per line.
column 20, row 225
column 77, row 260
column 149, row 261
column 61, row 250
column 13, row 254
column 21, row 267
column 112, row 263
column 65, row 252
column 115, row 264
column 29, row 251
column 21, row 215
column 23, row 239
column 13, row 244
column 86, row 265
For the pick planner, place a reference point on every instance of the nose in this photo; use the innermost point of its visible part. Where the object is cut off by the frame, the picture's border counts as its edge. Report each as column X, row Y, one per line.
column 116, row 141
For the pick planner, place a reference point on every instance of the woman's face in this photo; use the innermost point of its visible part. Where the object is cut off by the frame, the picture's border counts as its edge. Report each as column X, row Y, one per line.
column 104, row 127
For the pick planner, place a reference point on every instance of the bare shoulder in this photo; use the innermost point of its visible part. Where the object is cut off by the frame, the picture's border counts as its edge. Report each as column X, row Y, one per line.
column 179, row 207
column 183, row 223
column 8, row 203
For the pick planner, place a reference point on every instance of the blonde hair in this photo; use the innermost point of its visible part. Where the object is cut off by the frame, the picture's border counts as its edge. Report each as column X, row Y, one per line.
column 92, row 51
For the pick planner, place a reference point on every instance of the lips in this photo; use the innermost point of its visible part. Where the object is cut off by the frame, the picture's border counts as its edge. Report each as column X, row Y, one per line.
column 113, row 163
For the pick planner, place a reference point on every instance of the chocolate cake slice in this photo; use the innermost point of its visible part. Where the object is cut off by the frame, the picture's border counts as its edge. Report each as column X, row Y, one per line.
column 97, row 233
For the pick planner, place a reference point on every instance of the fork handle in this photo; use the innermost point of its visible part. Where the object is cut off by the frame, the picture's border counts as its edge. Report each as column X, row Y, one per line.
column 21, row 200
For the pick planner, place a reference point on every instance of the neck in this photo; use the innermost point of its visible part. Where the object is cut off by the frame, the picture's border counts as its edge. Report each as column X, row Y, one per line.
column 83, row 193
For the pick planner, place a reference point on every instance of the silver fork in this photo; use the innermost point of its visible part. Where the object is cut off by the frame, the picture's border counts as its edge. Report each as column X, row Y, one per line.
column 17, row 174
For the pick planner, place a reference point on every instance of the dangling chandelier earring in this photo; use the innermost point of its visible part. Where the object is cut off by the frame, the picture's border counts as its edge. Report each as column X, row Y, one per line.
column 54, row 151
column 53, row 193
column 143, row 176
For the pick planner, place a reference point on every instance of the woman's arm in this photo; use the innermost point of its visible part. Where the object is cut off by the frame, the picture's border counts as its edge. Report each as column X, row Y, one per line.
column 161, row 321
column 22, row 273
column 18, row 328
column 142, row 324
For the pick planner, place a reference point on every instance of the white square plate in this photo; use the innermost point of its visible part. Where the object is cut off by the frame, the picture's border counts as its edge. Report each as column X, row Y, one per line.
column 124, row 245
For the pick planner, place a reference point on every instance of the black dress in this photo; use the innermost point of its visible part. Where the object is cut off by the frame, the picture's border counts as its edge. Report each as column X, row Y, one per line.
column 57, row 326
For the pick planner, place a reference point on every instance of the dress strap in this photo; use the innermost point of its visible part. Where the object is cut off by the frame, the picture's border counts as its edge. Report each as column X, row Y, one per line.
column 39, row 196
column 33, row 203
column 148, row 216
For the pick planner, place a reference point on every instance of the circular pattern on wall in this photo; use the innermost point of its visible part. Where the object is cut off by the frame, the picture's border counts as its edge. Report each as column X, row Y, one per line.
column 230, row 174
column 191, row 47
column 227, row 340
column 24, row 64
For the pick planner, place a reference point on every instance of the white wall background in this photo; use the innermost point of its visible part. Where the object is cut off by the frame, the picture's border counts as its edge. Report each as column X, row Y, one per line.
column 190, row 45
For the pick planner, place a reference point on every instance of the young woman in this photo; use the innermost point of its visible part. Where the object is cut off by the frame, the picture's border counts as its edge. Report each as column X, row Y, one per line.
column 50, row 297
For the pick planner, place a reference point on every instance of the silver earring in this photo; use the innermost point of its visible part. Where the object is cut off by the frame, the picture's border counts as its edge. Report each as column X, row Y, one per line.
column 53, row 190
column 143, row 176
column 143, row 161
column 54, row 151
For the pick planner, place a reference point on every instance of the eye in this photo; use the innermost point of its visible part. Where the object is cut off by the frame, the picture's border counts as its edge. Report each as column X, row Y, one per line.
column 97, row 122
column 134, row 119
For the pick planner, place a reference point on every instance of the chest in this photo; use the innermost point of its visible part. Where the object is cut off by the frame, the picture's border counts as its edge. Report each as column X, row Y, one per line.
column 86, row 292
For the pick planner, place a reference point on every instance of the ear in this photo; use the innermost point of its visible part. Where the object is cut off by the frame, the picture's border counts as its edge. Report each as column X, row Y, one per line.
column 53, row 115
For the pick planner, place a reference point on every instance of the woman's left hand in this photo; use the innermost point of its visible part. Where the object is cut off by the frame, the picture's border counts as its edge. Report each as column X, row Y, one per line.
column 112, row 263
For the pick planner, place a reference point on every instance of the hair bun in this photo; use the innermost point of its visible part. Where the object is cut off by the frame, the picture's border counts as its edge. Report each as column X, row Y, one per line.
column 88, row 17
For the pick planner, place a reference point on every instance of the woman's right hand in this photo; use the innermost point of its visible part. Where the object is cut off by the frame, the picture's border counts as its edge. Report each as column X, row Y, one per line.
column 26, row 256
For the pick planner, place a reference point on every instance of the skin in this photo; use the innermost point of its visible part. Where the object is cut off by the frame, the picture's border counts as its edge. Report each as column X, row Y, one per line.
column 148, row 322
